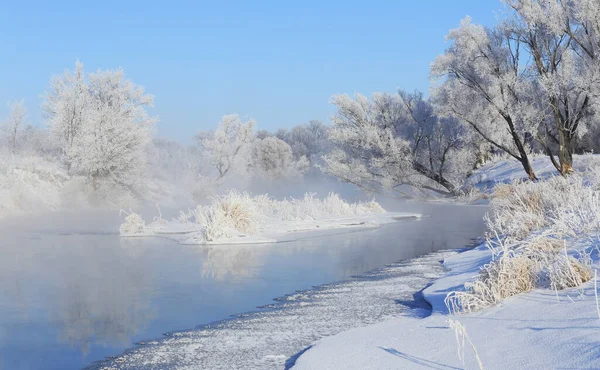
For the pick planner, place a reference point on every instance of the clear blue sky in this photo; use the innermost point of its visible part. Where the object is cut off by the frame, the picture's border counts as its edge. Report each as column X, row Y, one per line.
column 275, row 61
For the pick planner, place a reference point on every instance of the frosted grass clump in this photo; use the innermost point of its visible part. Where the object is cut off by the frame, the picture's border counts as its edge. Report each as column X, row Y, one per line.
column 311, row 208
column 528, row 229
column 568, row 206
column 508, row 276
column 519, row 272
column 229, row 214
column 133, row 225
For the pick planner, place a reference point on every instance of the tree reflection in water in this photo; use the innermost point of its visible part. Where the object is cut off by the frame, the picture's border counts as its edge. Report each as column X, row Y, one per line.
column 92, row 291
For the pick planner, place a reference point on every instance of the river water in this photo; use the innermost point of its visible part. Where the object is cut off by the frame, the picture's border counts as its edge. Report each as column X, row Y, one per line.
column 73, row 292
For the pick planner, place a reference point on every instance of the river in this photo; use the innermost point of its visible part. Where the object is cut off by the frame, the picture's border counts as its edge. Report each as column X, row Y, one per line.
column 73, row 292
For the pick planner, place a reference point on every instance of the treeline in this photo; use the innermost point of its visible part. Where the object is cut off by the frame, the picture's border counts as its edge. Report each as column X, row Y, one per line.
column 529, row 84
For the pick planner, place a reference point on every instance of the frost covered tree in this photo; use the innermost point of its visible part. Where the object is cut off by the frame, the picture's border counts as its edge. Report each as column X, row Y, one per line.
column 13, row 125
column 229, row 146
column 116, row 130
column 395, row 140
column 562, row 38
column 272, row 158
column 101, row 124
column 65, row 108
column 309, row 140
column 481, row 82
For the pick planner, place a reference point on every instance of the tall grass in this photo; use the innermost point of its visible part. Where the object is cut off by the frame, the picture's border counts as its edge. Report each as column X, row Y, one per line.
column 530, row 226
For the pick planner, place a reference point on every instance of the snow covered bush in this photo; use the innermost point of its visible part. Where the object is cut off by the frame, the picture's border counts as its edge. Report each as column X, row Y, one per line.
column 312, row 208
column 229, row 214
column 507, row 276
column 537, row 263
column 566, row 271
column 568, row 206
column 272, row 159
column 133, row 225
column 30, row 184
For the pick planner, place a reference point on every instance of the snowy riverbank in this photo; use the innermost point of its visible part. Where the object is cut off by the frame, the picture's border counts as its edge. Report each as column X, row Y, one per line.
column 526, row 298
column 541, row 329
column 272, row 337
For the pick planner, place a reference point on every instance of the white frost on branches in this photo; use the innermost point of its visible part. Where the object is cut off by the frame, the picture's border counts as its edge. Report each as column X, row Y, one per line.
column 229, row 146
column 395, row 140
column 13, row 126
column 101, row 125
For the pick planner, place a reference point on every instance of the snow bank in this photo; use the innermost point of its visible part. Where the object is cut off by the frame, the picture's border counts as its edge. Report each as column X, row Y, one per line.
column 238, row 217
column 507, row 171
column 30, row 185
column 541, row 329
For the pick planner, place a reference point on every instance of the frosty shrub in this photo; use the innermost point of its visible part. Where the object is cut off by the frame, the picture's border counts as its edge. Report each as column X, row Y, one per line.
column 568, row 206
column 565, row 271
column 471, row 195
column 133, row 225
column 232, row 213
column 536, row 264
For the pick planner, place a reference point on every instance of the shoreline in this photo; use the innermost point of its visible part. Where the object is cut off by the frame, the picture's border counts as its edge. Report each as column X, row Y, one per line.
column 547, row 324
column 385, row 293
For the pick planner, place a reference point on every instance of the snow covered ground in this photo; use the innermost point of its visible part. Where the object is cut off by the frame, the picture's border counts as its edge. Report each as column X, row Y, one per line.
column 542, row 329
column 506, row 171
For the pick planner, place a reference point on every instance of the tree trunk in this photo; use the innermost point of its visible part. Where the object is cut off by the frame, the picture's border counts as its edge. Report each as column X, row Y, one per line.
column 527, row 167
column 523, row 157
column 435, row 177
column 565, row 151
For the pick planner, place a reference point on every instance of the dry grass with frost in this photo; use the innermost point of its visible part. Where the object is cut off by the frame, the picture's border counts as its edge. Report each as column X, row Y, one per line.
column 236, row 213
column 530, row 227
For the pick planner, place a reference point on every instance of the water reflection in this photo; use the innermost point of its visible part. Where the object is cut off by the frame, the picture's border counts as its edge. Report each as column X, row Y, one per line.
column 227, row 262
column 70, row 291
column 105, row 297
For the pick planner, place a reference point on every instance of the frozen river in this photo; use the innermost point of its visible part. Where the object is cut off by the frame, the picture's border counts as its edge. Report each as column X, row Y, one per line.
column 73, row 292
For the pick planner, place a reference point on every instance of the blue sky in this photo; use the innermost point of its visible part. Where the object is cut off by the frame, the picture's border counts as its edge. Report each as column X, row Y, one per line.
column 275, row 61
